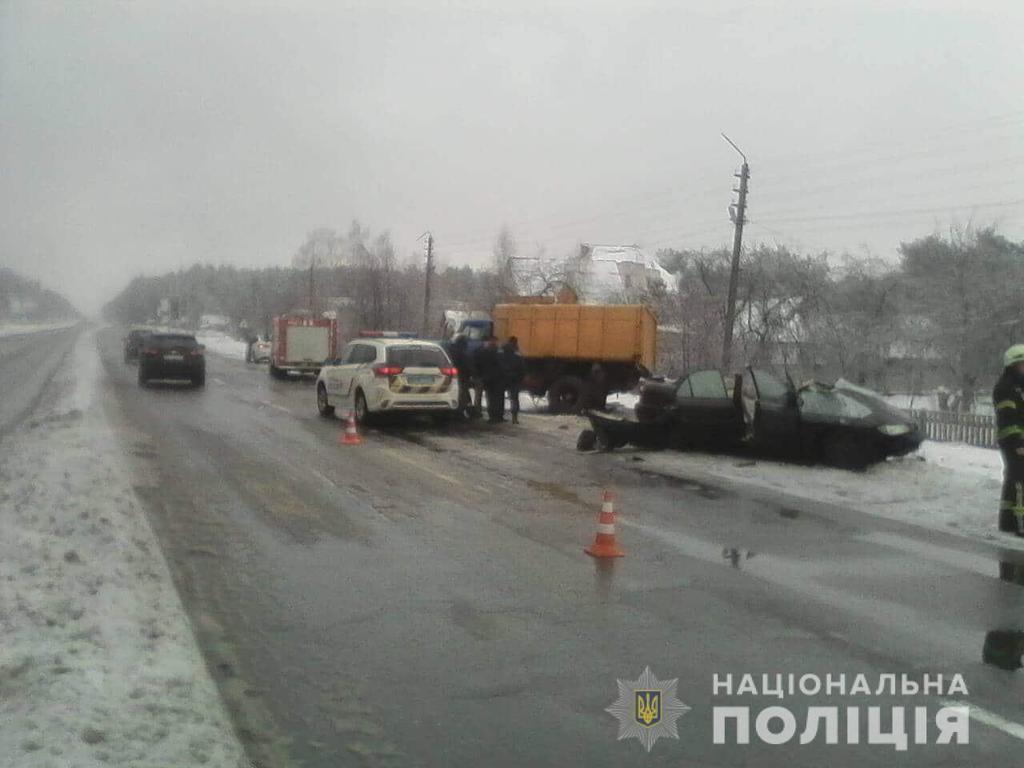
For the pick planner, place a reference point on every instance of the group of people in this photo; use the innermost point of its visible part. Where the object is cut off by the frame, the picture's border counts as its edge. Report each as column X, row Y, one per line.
column 490, row 370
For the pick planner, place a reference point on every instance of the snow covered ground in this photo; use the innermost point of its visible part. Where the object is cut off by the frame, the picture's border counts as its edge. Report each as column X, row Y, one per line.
column 221, row 344
column 17, row 329
column 950, row 486
column 98, row 665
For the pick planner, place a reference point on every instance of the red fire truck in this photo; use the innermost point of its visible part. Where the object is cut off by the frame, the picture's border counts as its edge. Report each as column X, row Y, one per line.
column 301, row 343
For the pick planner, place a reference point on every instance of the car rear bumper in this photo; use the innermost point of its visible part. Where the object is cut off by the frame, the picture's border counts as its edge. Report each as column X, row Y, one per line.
column 172, row 371
column 432, row 402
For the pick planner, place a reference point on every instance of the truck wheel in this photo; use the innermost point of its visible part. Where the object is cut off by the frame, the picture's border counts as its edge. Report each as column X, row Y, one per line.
column 565, row 394
column 587, row 440
column 321, row 402
column 199, row 380
column 276, row 372
column 143, row 379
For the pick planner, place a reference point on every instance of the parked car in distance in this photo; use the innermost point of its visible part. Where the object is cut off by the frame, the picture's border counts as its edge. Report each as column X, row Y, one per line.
column 389, row 374
column 840, row 424
column 171, row 355
column 260, row 352
column 133, row 342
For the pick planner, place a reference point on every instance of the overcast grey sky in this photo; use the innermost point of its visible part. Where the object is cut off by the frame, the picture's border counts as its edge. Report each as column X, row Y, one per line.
column 144, row 136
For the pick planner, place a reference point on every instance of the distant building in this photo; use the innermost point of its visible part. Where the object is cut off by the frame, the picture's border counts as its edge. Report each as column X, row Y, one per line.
column 618, row 273
column 599, row 274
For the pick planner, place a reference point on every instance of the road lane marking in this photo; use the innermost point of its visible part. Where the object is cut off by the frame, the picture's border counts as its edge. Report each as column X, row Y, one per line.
column 990, row 719
column 275, row 406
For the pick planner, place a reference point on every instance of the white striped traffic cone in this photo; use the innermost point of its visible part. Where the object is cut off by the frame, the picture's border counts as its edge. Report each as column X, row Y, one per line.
column 605, row 544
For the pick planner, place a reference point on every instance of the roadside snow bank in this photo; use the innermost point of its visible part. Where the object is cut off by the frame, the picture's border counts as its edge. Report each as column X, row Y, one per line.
column 17, row 329
column 221, row 344
column 947, row 486
column 951, row 486
column 98, row 665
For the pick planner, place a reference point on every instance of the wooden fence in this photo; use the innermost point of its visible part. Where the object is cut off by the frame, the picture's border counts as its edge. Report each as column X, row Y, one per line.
column 948, row 427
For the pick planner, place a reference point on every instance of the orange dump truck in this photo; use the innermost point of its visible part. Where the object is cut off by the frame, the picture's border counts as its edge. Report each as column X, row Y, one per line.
column 578, row 353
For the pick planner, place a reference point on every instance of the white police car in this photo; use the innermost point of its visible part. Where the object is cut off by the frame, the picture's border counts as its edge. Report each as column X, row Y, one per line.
column 380, row 373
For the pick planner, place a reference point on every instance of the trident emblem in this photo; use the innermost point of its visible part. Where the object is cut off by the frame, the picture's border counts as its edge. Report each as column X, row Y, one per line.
column 648, row 707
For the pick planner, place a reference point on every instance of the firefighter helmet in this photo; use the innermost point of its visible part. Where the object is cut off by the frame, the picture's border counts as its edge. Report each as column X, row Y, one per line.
column 1013, row 355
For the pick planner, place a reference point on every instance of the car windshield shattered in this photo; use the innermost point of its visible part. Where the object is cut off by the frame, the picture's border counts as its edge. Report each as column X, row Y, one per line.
column 511, row 384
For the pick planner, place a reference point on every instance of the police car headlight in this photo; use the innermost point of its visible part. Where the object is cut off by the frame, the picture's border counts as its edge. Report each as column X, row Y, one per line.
column 894, row 430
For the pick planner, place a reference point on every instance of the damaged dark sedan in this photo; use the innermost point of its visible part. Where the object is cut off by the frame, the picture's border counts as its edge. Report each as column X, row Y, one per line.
column 756, row 412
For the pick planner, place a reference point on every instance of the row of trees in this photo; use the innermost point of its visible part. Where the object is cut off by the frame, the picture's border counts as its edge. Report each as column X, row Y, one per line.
column 358, row 273
column 23, row 299
column 941, row 314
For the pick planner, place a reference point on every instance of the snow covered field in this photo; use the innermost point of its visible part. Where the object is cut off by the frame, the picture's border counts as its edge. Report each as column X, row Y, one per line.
column 17, row 329
column 98, row 665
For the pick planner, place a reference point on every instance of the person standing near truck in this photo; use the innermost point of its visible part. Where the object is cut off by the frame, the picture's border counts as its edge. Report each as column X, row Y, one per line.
column 1008, row 398
column 487, row 361
column 515, row 370
column 463, row 362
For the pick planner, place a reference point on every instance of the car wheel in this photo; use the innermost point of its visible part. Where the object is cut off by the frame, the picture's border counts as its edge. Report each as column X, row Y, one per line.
column 199, row 381
column 322, row 405
column 143, row 379
column 605, row 442
column 847, row 452
column 362, row 411
column 565, row 394
column 587, row 440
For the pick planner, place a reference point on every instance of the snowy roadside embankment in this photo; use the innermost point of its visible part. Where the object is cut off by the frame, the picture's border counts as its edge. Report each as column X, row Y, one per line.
column 947, row 486
column 18, row 329
column 221, row 344
column 98, row 665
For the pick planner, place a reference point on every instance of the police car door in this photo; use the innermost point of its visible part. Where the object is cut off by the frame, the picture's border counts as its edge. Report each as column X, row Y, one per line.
column 338, row 376
column 355, row 369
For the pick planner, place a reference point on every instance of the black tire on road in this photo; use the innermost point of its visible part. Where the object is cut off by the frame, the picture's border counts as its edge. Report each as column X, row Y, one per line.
column 327, row 411
column 847, row 452
column 565, row 395
column 199, row 381
column 605, row 442
column 587, row 441
column 277, row 373
column 143, row 379
column 361, row 410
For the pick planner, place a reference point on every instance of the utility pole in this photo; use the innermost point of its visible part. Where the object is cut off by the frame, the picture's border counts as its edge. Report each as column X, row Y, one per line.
column 312, row 263
column 738, row 215
column 428, row 275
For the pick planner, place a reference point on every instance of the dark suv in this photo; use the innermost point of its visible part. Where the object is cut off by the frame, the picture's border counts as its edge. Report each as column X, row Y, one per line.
column 172, row 356
column 133, row 343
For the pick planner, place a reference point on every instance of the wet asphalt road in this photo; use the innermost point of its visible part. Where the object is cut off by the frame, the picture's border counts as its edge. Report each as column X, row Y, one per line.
column 27, row 362
column 423, row 599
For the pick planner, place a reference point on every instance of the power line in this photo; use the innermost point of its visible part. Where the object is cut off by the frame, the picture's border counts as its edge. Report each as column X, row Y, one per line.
column 889, row 213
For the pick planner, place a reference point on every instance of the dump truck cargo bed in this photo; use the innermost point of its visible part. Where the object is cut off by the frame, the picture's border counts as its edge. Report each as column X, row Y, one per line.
column 604, row 333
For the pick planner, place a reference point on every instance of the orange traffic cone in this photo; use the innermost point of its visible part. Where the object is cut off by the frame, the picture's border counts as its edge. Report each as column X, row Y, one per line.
column 351, row 435
column 605, row 544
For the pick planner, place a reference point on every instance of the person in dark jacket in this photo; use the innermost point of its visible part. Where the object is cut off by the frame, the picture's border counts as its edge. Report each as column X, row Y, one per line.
column 515, row 370
column 463, row 361
column 487, row 361
column 1008, row 399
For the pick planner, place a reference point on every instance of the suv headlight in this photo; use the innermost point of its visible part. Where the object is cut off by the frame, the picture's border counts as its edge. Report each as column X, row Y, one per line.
column 893, row 430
